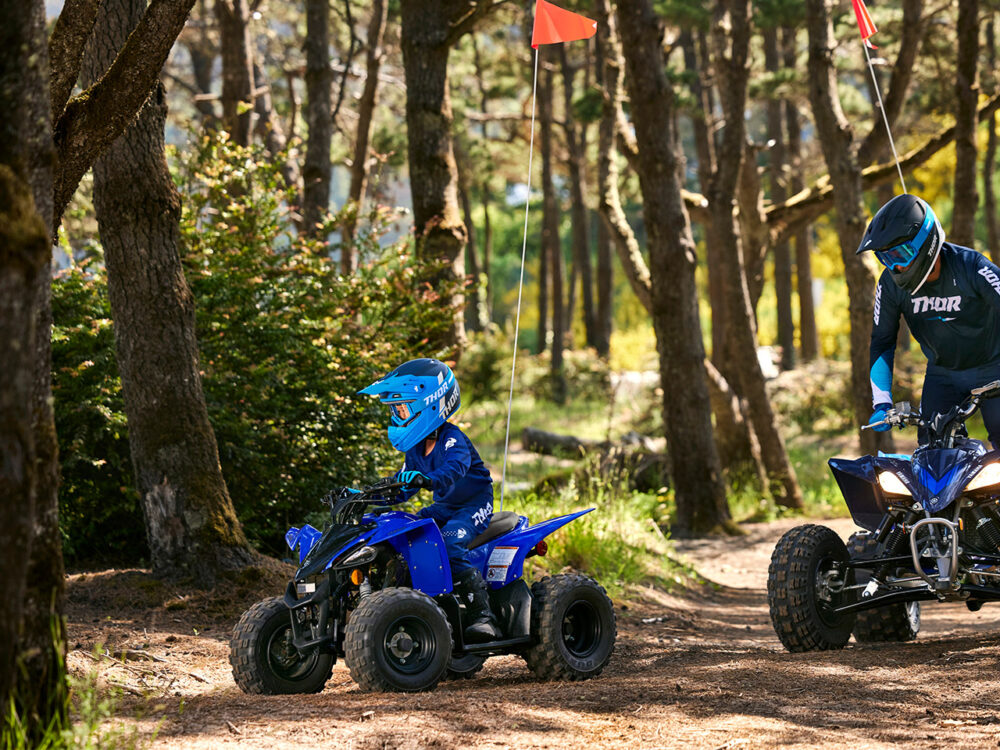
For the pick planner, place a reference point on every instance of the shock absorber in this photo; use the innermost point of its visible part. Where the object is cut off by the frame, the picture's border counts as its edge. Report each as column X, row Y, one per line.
column 986, row 527
column 894, row 545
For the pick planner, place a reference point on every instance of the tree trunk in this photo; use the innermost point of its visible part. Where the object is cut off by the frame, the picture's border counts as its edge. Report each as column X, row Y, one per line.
column 319, row 119
column 476, row 317
column 25, row 255
column 700, row 492
column 808, row 334
column 840, row 153
column 732, row 67
column 550, row 226
column 437, row 219
column 202, row 52
column 578, row 207
column 237, row 69
column 604, row 315
column 782, row 251
column 963, row 219
column 484, row 185
column 191, row 526
column 269, row 130
column 366, row 115
column 990, row 157
column 605, row 292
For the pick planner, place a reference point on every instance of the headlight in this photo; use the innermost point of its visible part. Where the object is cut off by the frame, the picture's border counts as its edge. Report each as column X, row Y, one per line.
column 988, row 475
column 361, row 556
column 892, row 484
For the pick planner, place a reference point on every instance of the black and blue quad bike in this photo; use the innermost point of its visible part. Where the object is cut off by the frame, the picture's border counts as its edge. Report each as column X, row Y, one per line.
column 375, row 588
column 931, row 531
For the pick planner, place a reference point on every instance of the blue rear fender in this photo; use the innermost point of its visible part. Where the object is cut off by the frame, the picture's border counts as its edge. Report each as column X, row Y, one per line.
column 502, row 559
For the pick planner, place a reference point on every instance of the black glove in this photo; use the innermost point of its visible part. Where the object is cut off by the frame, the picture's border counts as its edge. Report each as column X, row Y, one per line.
column 413, row 480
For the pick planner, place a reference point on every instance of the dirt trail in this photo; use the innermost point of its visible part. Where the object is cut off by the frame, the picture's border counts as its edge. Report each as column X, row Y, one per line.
column 703, row 671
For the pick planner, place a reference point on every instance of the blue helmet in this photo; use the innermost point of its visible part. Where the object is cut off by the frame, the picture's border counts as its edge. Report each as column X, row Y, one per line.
column 421, row 395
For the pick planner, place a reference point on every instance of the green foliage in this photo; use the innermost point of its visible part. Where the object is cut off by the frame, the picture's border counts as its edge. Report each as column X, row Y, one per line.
column 99, row 512
column 285, row 343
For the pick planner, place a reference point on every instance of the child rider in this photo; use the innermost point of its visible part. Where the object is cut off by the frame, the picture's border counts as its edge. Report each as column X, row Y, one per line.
column 421, row 394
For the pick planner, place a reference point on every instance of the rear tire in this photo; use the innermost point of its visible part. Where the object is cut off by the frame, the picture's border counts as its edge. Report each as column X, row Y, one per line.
column 263, row 658
column 573, row 623
column 802, row 619
column 397, row 640
column 891, row 623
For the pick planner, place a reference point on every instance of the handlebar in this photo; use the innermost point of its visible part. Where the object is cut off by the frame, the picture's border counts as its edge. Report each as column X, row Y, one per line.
column 344, row 503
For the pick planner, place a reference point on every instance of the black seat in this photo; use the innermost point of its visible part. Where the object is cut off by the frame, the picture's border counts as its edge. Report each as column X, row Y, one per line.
column 500, row 523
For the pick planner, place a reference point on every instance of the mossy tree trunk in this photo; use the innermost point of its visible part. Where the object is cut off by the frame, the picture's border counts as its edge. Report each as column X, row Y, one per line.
column 428, row 31
column 191, row 526
column 966, row 196
column 317, row 169
column 26, row 489
column 700, row 491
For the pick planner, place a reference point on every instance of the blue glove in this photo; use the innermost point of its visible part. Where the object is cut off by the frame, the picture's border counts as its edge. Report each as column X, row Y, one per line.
column 413, row 480
column 352, row 490
column 878, row 416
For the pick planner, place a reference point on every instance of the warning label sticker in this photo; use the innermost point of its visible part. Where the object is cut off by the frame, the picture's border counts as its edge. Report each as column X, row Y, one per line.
column 499, row 562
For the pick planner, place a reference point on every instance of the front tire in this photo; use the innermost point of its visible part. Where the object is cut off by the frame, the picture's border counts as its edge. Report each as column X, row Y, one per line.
column 801, row 590
column 264, row 660
column 891, row 623
column 573, row 623
column 397, row 640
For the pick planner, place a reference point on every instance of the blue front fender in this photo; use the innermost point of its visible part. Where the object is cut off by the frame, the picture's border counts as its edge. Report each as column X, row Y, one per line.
column 502, row 559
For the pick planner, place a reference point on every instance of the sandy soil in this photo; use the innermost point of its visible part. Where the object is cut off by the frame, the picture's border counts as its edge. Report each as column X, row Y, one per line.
column 700, row 671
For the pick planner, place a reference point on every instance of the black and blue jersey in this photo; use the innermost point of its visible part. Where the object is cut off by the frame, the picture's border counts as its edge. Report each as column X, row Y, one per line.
column 460, row 479
column 955, row 318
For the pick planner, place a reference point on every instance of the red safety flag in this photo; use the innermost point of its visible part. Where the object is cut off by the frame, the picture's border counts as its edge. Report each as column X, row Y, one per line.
column 554, row 25
column 865, row 24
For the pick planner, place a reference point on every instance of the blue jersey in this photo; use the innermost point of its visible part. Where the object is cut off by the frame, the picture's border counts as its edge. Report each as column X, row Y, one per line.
column 459, row 477
column 955, row 318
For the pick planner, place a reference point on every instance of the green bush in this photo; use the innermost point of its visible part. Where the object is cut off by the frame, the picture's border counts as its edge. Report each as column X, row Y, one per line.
column 285, row 343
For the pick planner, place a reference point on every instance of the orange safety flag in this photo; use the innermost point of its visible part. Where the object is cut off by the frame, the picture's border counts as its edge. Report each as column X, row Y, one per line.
column 554, row 24
column 865, row 24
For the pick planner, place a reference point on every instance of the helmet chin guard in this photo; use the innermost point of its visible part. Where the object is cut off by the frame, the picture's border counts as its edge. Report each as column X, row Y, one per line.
column 431, row 395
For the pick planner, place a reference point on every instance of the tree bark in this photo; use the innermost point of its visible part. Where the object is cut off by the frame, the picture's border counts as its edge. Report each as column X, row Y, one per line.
column 700, row 492
column 268, row 128
column 808, row 334
column 66, row 45
column 24, row 265
column 604, row 316
column 484, row 185
column 550, row 227
column 840, row 153
column 782, row 251
column 94, row 119
column 578, row 207
column 963, row 219
column 191, row 526
column 319, row 118
column 731, row 64
column 366, row 115
column 990, row 157
column 428, row 30
column 237, row 69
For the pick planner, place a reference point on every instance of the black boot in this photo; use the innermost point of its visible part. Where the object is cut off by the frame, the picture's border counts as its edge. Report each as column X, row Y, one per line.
column 481, row 625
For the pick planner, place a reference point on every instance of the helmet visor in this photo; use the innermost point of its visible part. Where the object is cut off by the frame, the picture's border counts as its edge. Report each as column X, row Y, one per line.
column 898, row 256
column 400, row 411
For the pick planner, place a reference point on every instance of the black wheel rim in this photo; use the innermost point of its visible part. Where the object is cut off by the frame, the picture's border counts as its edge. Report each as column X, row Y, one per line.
column 286, row 661
column 581, row 629
column 409, row 645
column 823, row 607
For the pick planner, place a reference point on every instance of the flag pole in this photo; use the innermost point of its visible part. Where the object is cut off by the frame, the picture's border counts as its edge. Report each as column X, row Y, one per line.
column 520, row 282
column 885, row 117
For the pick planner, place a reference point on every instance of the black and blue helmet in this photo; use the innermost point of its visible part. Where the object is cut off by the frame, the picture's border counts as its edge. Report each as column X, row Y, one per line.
column 906, row 237
column 421, row 395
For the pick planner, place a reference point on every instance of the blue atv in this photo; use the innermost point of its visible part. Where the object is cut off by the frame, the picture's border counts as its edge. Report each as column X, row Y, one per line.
column 931, row 531
column 375, row 588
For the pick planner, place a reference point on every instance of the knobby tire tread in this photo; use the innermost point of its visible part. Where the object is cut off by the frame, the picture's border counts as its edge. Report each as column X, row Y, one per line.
column 790, row 585
column 545, row 658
